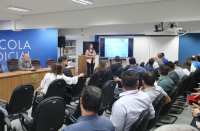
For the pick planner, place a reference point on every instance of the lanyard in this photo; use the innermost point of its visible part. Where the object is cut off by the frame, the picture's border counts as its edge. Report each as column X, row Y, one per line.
column 129, row 94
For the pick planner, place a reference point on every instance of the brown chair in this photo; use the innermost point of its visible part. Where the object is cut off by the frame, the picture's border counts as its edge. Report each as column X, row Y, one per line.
column 1, row 71
column 50, row 62
column 12, row 64
column 36, row 63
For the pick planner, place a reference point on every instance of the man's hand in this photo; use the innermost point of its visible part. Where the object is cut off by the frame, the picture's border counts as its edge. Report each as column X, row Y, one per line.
column 195, row 112
column 195, row 105
column 195, row 95
column 117, row 79
column 31, row 69
column 198, row 89
column 142, row 89
column 198, row 127
column 81, row 75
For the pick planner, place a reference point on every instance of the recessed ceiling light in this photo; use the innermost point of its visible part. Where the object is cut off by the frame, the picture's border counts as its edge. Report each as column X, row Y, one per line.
column 17, row 8
column 85, row 2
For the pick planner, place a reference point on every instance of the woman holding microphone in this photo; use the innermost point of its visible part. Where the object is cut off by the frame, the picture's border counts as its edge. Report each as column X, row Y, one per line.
column 90, row 59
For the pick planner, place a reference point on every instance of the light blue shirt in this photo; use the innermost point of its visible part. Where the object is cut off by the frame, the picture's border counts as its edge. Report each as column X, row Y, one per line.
column 138, row 69
column 180, row 72
column 127, row 109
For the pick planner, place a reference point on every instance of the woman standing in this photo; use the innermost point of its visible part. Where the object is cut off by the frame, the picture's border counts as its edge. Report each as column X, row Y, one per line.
column 90, row 59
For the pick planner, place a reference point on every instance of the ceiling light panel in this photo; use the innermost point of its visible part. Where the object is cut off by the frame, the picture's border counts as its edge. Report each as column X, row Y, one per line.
column 84, row 2
column 17, row 8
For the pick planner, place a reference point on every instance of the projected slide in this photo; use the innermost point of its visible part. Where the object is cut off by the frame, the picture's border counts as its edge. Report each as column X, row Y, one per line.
column 116, row 47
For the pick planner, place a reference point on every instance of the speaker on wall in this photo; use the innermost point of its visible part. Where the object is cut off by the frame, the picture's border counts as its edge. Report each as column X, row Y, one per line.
column 61, row 41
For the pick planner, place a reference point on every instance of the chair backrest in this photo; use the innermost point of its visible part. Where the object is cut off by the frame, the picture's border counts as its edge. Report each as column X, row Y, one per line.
column 187, row 84
column 119, row 72
column 49, row 114
column 182, row 88
column 157, row 104
column 56, row 88
column 21, row 99
column 50, row 62
column 106, row 76
column 167, row 107
column 78, row 88
column 127, row 67
column 141, row 123
column 36, row 63
column 2, row 121
column 94, row 79
column 1, row 71
column 108, row 89
column 156, row 73
column 12, row 64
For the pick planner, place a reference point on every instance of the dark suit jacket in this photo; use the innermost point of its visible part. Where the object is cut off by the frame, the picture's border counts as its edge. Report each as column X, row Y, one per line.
column 115, row 67
column 67, row 72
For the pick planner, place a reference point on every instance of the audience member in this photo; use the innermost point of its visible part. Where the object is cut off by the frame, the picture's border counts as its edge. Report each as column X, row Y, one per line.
column 187, row 66
column 179, row 70
column 56, row 73
column 176, row 127
column 102, row 67
column 149, row 67
column 165, row 82
column 195, row 64
column 91, row 101
column 63, row 62
column 25, row 64
column 163, row 58
column 127, row 109
column 172, row 74
column 116, row 66
column 142, row 64
column 4, row 111
column 148, row 80
column 155, row 64
column 198, row 57
column 134, row 67
column 160, row 61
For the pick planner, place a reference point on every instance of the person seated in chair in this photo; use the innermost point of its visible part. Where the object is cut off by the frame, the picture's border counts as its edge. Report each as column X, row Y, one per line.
column 102, row 67
column 160, row 61
column 134, row 67
column 179, row 70
column 127, row 109
column 148, row 80
column 56, row 73
column 155, row 64
column 90, row 102
column 116, row 66
column 25, row 64
column 149, row 67
column 195, row 64
column 63, row 62
column 165, row 81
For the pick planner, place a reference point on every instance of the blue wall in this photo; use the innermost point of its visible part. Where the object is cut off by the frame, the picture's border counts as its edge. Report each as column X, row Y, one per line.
column 38, row 43
column 189, row 46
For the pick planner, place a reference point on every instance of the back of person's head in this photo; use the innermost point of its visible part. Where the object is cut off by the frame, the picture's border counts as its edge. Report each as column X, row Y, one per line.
column 198, row 57
column 149, row 78
column 151, row 61
column 56, row 69
column 132, row 60
column 159, row 55
column 117, row 58
column 62, row 59
column 130, row 80
column 164, row 70
column 142, row 64
column 155, row 57
column 162, row 54
column 92, row 98
column 176, row 127
column 194, row 58
column 102, row 66
column 178, row 63
column 170, row 64
column 187, row 64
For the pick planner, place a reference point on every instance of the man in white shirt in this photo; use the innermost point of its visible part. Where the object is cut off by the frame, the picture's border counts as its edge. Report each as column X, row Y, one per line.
column 127, row 109
column 155, row 64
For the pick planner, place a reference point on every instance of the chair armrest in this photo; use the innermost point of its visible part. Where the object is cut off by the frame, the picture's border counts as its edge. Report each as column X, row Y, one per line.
column 8, row 123
column 5, row 102
column 70, row 106
column 24, row 115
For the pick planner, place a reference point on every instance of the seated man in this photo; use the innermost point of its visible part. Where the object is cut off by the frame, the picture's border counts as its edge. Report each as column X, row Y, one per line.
column 179, row 70
column 25, row 64
column 91, row 101
column 63, row 62
column 195, row 64
column 116, row 66
column 155, row 64
column 160, row 61
column 172, row 74
column 163, row 58
column 148, row 80
column 127, row 109
column 149, row 67
column 134, row 67
column 165, row 82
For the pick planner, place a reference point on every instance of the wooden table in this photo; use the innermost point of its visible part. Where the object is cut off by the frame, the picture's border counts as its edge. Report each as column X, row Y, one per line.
column 10, row 80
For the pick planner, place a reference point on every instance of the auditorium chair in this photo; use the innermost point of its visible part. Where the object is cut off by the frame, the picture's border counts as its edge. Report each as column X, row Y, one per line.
column 49, row 116
column 1, row 71
column 4, row 121
column 50, row 62
column 156, row 73
column 94, row 79
column 127, row 67
column 36, row 63
column 119, row 75
column 108, row 93
column 104, row 78
column 56, row 88
column 20, row 101
column 157, row 104
column 12, row 64
column 142, row 121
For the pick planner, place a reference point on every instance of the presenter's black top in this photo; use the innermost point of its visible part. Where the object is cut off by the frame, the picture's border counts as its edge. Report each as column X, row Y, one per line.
column 115, row 67
column 67, row 72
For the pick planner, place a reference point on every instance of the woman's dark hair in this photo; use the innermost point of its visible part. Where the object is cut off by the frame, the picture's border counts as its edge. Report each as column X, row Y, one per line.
column 56, row 69
column 102, row 67
column 149, row 78
column 89, row 47
column 187, row 64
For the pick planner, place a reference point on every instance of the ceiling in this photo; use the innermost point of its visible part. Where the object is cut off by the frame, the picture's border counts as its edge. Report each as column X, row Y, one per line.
column 47, row 6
